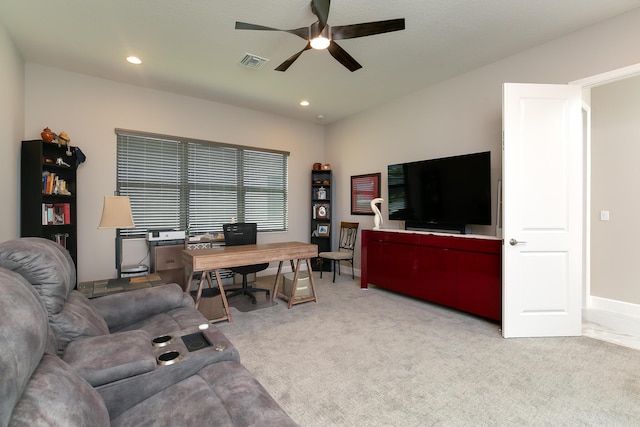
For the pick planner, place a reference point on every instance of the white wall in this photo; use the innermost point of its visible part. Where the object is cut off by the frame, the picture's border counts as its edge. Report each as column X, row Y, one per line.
column 615, row 177
column 11, row 128
column 458, row 116
column 464, row 114
column 89, row 109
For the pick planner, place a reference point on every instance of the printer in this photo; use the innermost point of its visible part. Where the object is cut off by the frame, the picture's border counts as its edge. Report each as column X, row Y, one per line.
column 166, row 236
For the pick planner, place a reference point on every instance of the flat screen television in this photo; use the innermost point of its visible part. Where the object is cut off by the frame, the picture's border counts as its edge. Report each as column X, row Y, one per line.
column 446, row 193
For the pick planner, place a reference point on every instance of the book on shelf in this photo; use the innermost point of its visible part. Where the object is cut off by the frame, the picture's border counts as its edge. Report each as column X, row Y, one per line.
column 67, row 212
column 47, row 213
column 53, row 184
column 47, row 182
column 56, row 213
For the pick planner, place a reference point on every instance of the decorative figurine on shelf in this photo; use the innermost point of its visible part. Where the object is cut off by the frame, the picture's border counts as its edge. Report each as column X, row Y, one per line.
column 321, row 194
column 377, row 220
column 63, row 138
column 47, row 135
column 61, row 162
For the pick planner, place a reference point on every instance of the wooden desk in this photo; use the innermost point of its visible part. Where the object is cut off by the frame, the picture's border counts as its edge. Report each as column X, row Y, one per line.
column 214, row 259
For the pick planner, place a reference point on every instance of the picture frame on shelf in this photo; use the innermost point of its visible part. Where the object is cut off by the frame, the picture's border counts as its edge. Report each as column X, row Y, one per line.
column 321, row 211
column 364, row 188
column 323, row 229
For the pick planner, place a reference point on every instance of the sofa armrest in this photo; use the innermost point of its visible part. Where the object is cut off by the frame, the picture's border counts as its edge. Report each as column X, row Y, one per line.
column 108, row 358
column 126, row 308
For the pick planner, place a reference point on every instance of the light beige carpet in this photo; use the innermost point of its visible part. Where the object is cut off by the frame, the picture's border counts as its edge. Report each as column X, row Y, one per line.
column 243, row 302
column 375, row 358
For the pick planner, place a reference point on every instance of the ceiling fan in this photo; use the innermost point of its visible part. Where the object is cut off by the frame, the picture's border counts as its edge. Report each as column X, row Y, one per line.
column 320, row 35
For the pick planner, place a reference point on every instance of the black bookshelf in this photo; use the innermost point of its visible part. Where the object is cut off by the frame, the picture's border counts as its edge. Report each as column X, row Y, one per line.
column 321, row 216
column 49, row 210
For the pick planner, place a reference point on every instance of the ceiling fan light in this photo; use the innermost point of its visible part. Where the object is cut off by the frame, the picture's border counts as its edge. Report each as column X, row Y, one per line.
column 320, row 42
column 134, row 60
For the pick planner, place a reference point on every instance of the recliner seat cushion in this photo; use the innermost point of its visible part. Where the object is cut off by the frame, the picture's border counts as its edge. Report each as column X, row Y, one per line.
column 108, row 358
column 140, row 308
column 56, row 395
column 222, row 394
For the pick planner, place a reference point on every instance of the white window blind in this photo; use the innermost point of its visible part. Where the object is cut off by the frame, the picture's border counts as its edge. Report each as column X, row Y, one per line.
column 200, row 185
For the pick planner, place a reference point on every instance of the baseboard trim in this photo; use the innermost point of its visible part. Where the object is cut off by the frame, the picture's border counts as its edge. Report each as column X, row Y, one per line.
column 271, row 271
column 613, row 321
column 618, row 307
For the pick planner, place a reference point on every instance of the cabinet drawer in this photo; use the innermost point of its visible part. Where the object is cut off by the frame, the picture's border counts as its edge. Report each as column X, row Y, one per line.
column 173, row 276
column 392, row 237
column 168, row 257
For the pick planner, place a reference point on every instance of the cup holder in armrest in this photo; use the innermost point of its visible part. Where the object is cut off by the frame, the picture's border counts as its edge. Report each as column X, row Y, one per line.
column 169, row 358
column 162, row 341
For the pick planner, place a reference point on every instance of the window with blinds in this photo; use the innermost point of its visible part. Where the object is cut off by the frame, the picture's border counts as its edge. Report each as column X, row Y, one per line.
column 199, row 185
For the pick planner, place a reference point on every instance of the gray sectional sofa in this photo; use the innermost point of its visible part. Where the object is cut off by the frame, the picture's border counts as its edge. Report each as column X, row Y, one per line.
column 116, row 360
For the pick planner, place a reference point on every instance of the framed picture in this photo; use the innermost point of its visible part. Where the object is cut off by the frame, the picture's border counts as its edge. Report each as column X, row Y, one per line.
column 364, row 188
column 321, row 211
column 323, row 229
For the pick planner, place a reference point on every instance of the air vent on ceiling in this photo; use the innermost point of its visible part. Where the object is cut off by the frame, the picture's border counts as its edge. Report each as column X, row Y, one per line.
column 253, row 61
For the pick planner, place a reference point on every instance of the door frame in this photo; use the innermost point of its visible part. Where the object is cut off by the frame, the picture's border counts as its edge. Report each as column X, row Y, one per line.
column 587, row 83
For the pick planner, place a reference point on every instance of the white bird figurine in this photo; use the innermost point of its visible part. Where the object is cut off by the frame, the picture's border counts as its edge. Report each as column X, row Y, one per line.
column 377, row 220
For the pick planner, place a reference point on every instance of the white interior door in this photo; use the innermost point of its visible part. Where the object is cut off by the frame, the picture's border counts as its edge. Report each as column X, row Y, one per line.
column 542, row 210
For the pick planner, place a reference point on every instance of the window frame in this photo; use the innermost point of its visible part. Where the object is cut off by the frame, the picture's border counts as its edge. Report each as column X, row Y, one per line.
column 261, row 195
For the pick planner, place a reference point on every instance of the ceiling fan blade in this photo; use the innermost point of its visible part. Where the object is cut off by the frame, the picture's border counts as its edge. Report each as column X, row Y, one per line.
column 300, row 32
column 366, row 29
column 343, row 57
column 286, row 64
column 320, row 8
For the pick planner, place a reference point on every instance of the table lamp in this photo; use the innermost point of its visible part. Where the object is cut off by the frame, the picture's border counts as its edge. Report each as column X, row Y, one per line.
column 116, row 213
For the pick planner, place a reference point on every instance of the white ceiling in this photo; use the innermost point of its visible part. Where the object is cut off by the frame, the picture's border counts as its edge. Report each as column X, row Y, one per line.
column 190, row 47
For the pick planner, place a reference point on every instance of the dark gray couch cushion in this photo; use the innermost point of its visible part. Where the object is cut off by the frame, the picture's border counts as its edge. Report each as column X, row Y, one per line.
column 140, row 308
column 108, row 358
column 37, row 388
column 45, row 264
column 50, row 270
column 222, row 394
column 23, row 334
column 77, row 319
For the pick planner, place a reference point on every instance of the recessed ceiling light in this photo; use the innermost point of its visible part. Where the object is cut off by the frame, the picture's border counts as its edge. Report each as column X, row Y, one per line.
column 320, row 116
column 134, row 60
column 304, row 103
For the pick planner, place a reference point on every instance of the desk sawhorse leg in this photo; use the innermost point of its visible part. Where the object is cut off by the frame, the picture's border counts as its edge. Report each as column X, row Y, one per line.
column 291, row 299
column 223, row 295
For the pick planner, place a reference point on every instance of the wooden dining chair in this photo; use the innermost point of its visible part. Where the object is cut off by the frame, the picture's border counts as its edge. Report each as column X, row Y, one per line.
column 346, row 247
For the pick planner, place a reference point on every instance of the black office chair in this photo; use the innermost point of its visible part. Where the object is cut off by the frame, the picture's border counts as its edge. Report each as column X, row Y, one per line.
column 244, row 234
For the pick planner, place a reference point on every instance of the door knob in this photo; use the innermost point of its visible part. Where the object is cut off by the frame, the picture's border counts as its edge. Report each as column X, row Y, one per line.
column 514, row 242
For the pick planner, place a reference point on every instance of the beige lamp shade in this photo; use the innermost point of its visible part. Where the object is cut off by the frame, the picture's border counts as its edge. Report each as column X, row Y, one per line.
column 116, row 213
